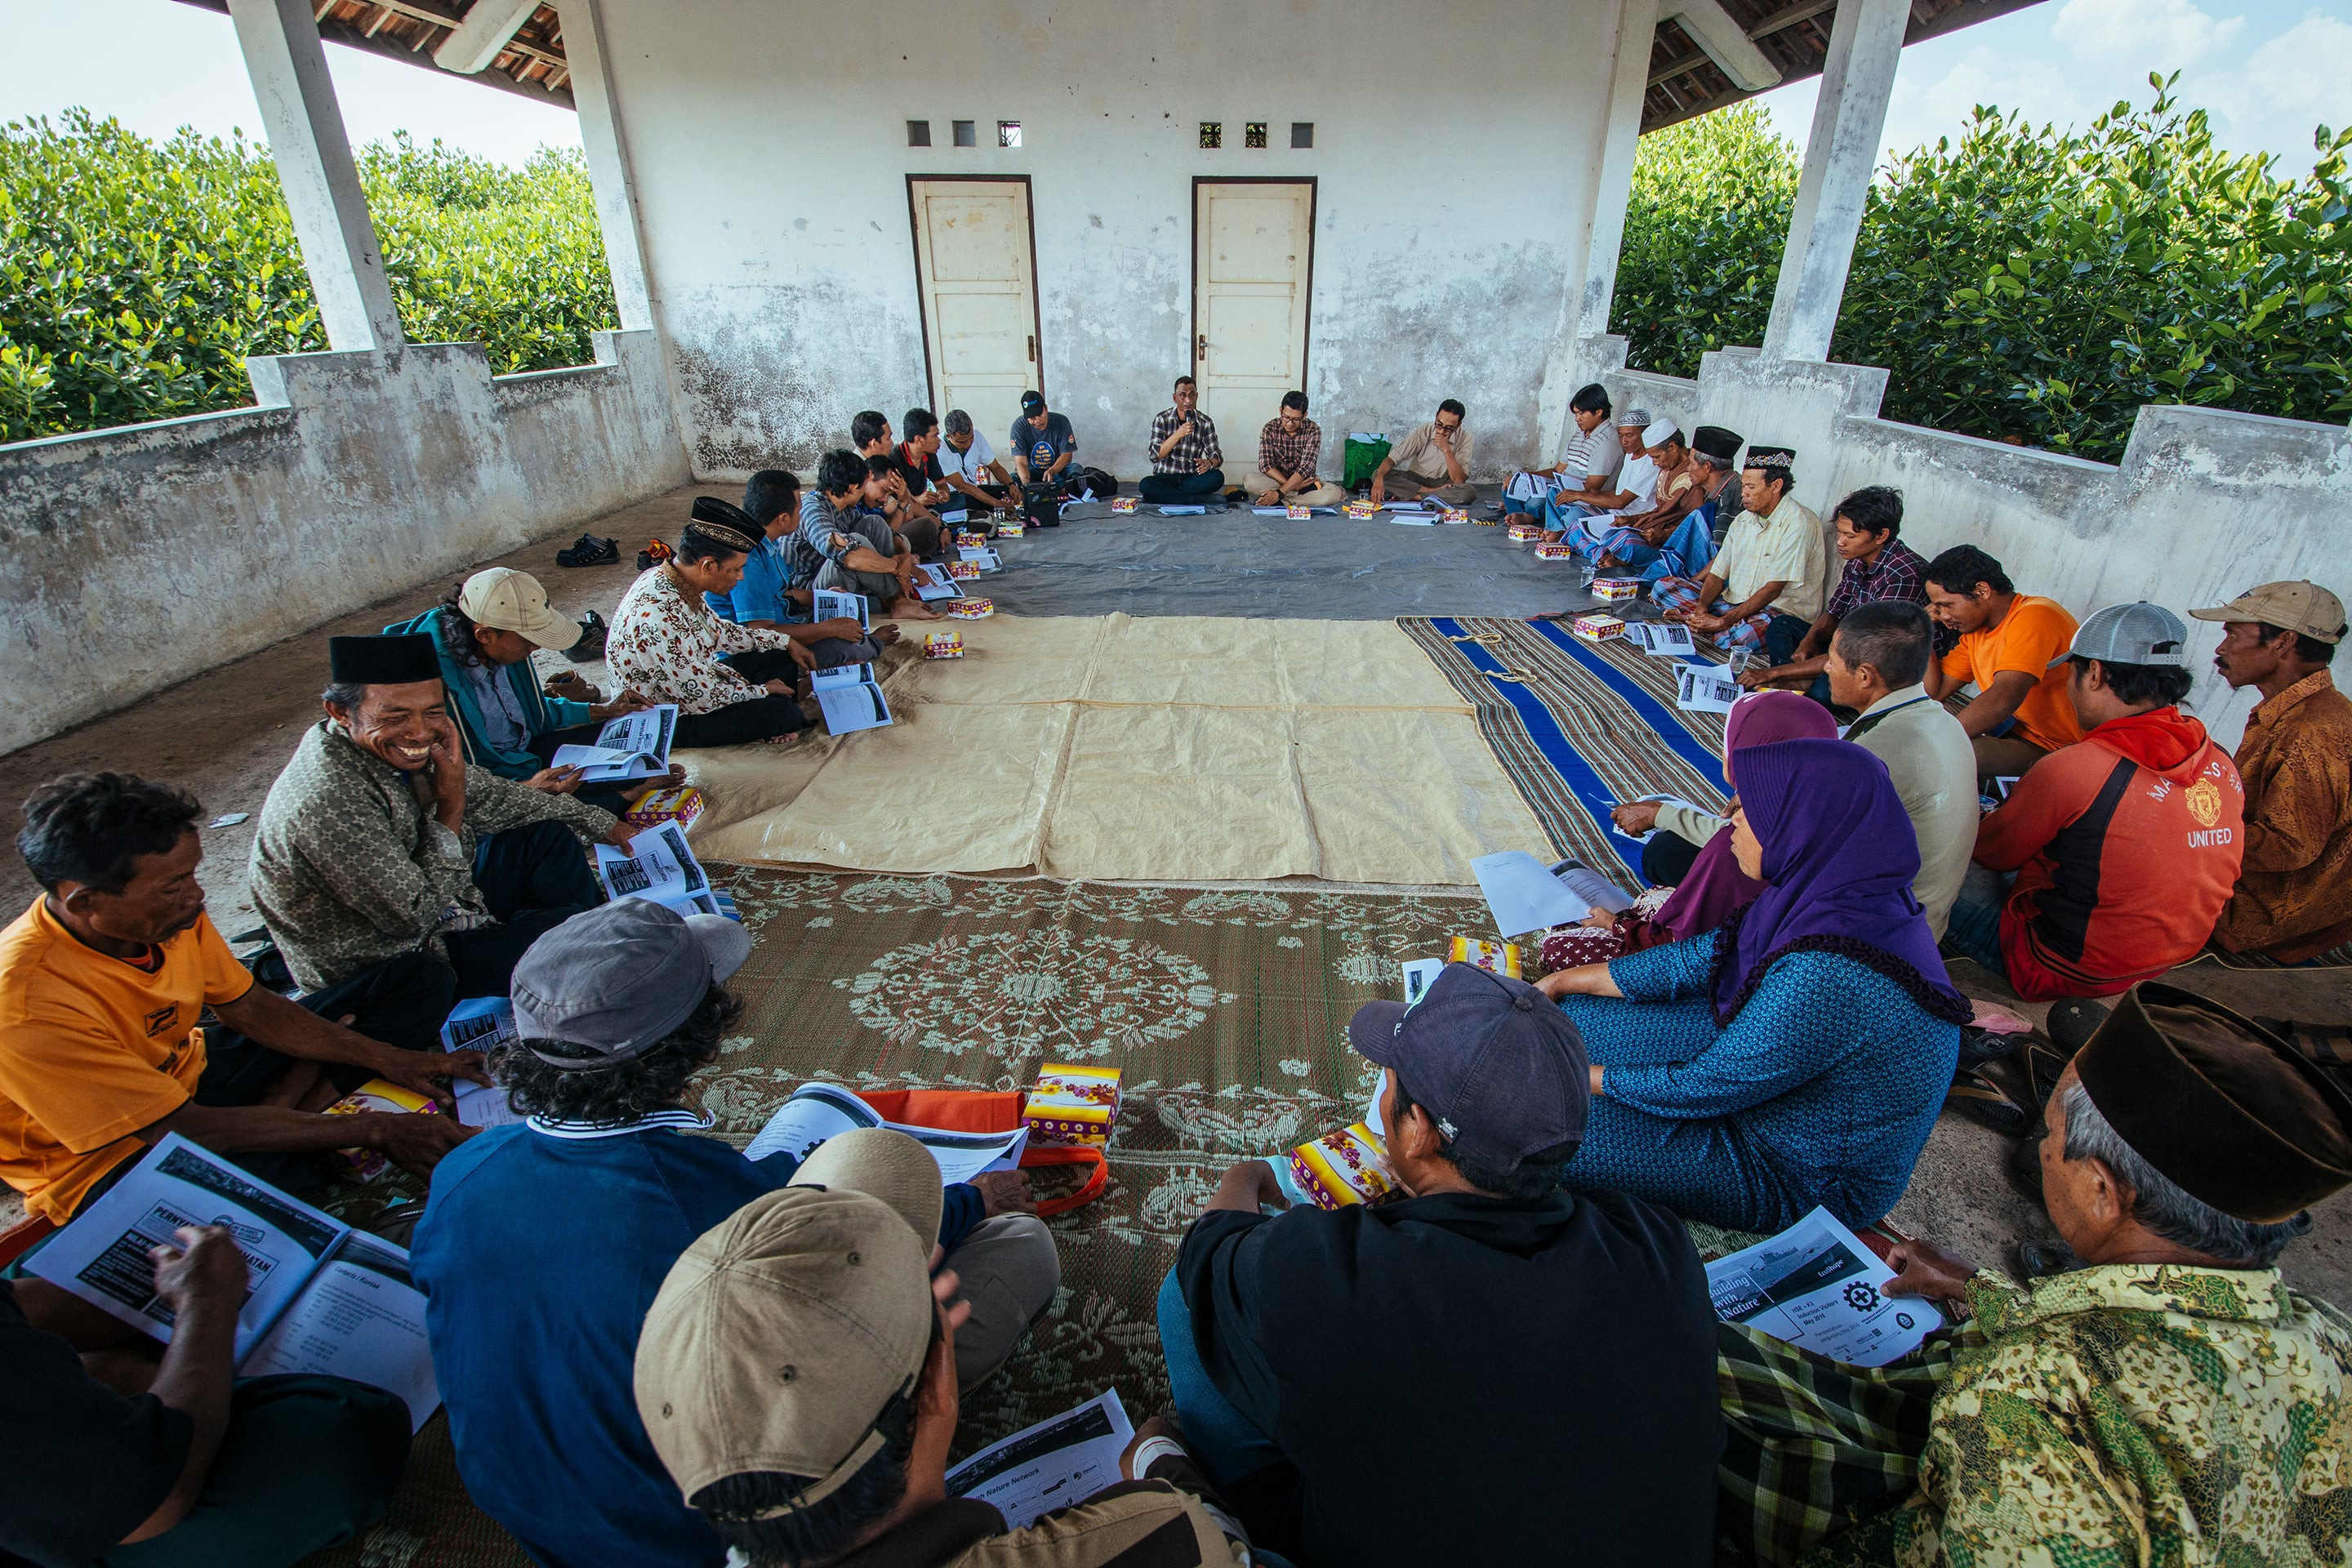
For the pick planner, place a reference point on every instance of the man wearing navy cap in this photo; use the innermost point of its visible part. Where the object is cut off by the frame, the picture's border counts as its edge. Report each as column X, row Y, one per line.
column 1488, row 1370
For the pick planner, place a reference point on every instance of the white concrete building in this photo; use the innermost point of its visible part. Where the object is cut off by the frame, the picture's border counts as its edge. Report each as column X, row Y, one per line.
column 807, row 214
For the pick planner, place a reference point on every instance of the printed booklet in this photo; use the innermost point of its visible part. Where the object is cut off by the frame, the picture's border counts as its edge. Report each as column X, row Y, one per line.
column 658, row 867
column 1816, row 1285
column 851, row 698
column 1061, row 1461
column 831, row 604
column 1705, row 689
column 818, row 1111
column 1524, row 894
column 634, row 746
column 477, row 1024
column 322, row 1298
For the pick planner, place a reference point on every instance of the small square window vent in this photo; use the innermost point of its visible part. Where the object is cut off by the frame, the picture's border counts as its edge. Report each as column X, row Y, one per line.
column 1008, row 133
column 966, row 133
column 1213, row 133
column 919, row 134
column 1253, row 135
column 1302, row 134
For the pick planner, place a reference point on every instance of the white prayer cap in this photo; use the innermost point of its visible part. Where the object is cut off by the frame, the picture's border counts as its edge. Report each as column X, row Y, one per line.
column 1659, row 432
column 1632, row 418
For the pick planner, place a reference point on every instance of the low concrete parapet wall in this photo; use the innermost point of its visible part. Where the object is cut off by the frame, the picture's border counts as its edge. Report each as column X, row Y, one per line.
column 134, row 558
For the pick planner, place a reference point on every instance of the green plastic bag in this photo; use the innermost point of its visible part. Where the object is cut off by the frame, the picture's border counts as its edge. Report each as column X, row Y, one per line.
column 1363, row 457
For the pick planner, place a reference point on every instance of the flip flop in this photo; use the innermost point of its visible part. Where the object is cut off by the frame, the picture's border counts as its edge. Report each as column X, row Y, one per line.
column 1983, row 1101
column 2044, row 1064
column 1978, row 1046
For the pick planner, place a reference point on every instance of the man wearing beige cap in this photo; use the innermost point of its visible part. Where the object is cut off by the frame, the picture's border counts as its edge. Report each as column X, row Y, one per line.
column 2294, row 898
column 486, row 632
column 797, row 1376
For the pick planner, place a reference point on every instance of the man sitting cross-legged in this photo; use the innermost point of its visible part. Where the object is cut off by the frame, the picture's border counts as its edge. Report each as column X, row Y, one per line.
column 1430, row 464
column 159, row 1457
column 2168, row 1400
column 1288, row 448
column 1187, row 463
column 486, row 632
column 2294, row 898
column 103, row 982
column 1673, row 538
column 899, row 497
column 969, row 465
column 845, row 1461
column 378, row 840
column 2110, row 861
column 1876, row 660
column 1565, row 1336
column 1588, row 460
column 1765, row 586
column 732, row 684
column 846, row 550
column 541, row 1248
column 1582, row 516
column 1878, row 566
column 2014, row 647
column 767, row 599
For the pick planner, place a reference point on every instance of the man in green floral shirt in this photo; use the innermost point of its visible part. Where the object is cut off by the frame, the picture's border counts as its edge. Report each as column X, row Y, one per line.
column 2170, row 1402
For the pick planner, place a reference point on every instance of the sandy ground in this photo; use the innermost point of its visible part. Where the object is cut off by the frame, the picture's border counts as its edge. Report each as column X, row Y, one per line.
column 224, row 734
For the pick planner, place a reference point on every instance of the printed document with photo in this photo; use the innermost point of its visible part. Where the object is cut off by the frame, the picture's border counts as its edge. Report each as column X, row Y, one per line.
column 831, row 604
column 850, row 698
column 477, row 1024
column 1705, row 689
column 321, row 1297
column 1061, row 1461
column 818, row 1111
column 634, row 746
column 1523, row 894
column 1816, row 1285
column 657, row 865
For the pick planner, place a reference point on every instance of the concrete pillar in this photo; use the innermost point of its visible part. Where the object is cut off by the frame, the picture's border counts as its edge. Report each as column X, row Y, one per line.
column 1613, row 185
column 487, row 29
column 305, row 127
column 1865, row 43
column 608, row 148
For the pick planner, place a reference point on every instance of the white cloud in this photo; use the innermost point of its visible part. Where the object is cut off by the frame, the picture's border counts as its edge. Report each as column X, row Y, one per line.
column 2287, row 85
column 2147, row 34
column 1922, row 109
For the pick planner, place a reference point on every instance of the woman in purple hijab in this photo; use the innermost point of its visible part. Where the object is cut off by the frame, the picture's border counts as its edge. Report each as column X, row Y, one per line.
column 1714, row 887
column 1797, row 1054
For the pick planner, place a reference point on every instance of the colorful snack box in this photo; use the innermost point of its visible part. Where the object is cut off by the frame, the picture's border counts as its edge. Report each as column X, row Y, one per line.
column 970, row 541
column 1012, row 530
column 970, row 609
column 1451, row 514
column 1525, row 533
column 1361, row 508
column 1497, row 957
column 963, row 568
column 376, row 1095
column 1597, row 629
column 1121, row 505
column 1296, row 514
column 1350, row 1167
column 1555, row 552
column 1616, row 588
column 680, row 804
column 1073, row 1105
column 943, row 645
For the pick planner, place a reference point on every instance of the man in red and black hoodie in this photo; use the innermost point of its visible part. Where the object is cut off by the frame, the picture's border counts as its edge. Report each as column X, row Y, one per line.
column 2111, row 859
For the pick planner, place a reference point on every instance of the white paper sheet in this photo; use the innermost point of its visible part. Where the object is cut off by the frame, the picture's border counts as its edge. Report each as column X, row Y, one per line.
column 102, row 1256
column 1705, row 689
column 1523, row 895
column 932, row 582
column 1816, row 1285
column 850, row 698
column 1060, row 1461
column 1660, row 639
column 1663, row 799
column 656, row 866
column 1183, row 512
column 981, row 556
column 360, row 1317
column 831, row 604
column 632, row 746
column 477, row 1024
column 818, row 1112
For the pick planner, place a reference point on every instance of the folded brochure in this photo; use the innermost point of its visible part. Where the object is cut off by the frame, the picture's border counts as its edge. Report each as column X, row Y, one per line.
column 851, row 698
column 817, row 1111
column 657, row 866
column 323, row 1298
column 1061, row 1460
column 634, row 746
column 1818, row 1287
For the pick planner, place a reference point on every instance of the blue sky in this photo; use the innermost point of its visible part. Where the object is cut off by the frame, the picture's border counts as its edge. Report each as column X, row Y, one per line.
column 2267, row 69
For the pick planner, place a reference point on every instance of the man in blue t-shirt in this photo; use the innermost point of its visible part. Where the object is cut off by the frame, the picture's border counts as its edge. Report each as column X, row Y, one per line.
column 541, row 1248
column 1042, row 444
column 767, row 597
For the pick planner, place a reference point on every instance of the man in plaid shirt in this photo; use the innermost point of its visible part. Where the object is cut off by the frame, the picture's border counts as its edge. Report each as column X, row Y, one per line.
column 1287, row 449
column 1878, row 565
column 1186, row 461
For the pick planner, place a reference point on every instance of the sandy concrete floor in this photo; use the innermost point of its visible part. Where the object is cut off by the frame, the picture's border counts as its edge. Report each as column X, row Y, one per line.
column 224, row 734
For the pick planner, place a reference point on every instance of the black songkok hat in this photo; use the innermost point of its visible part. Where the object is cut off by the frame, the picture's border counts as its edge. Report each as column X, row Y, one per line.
column 2232, row 1114
column 382, row 661
column 1715, row 441
column 726, row 523
column 1781, row 460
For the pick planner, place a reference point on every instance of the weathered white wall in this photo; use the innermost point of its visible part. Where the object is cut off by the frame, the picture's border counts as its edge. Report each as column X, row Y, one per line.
column 133, row 558
column 2205, row 504
column 1456, row 150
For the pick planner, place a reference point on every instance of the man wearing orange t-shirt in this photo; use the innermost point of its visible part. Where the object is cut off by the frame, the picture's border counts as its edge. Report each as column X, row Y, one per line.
column 102, row 982
column 2008, row 640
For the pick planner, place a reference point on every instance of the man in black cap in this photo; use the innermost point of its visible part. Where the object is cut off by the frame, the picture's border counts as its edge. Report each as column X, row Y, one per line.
column 1491, row 1370
column 1042, row 445
column 379, row 840
column 2168, row 1400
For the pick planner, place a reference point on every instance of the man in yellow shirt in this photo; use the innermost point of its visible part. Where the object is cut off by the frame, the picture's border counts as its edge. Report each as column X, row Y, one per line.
column 1767, row 582
column 2014, row 647
column 102, row 982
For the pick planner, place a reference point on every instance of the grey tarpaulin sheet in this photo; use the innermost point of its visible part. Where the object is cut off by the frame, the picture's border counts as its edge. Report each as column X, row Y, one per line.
column 1325, row 568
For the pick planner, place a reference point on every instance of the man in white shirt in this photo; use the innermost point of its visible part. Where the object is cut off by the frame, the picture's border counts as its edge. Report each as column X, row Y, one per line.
column 1878, row 660
column 1766, row 583
column 1586, row 516
column 968, row 463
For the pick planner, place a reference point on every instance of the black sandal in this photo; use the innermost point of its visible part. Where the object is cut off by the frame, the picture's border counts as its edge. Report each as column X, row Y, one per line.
column 1980, row 1098
column 1978, row 1046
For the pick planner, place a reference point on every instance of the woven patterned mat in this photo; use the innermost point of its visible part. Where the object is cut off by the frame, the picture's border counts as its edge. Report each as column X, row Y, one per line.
column 1579, row 727
column 1225, row 1011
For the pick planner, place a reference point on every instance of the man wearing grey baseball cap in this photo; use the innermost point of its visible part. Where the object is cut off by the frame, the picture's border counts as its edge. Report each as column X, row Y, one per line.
column 2112, row 857
column 2293, row 900
column 1491, row 1370
column 797, row 1373
column 540, row 1255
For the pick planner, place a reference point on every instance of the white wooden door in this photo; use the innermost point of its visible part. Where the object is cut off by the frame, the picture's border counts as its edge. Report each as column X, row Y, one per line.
column 975, row 266
column 1253, row 248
